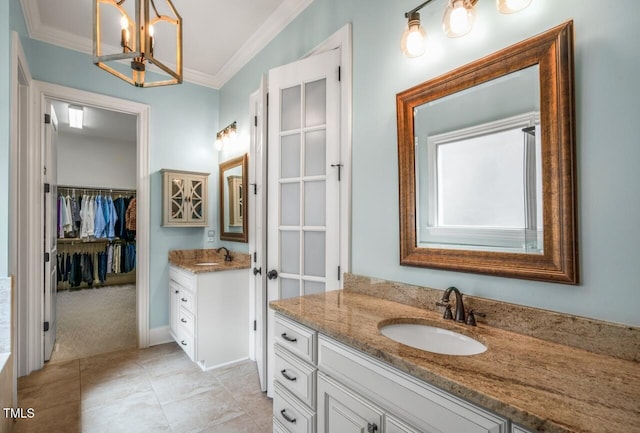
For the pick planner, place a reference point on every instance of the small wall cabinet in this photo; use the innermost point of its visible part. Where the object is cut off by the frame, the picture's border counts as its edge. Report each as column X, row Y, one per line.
column 184, row 197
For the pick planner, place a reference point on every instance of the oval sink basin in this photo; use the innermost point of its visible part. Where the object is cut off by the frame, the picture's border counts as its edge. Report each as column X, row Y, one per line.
column 432, row 339
column 207, row 264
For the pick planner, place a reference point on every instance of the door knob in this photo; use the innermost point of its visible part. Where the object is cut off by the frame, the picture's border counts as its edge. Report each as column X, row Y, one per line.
column 272, row 274
column 257, row 271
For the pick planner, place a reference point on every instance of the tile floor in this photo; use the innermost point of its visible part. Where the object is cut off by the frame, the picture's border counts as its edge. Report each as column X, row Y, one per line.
column 153, row 390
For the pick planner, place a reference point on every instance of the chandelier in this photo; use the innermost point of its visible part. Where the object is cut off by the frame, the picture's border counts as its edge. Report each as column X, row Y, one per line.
column 126, row 31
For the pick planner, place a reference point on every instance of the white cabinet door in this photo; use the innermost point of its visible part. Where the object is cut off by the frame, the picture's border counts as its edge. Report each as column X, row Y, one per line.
column 341, row 410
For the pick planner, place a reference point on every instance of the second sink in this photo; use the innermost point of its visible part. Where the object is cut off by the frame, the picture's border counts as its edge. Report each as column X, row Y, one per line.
column 432, row 339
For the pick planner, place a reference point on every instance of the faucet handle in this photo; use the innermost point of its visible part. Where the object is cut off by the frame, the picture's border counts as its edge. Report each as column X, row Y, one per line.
column 471, row 317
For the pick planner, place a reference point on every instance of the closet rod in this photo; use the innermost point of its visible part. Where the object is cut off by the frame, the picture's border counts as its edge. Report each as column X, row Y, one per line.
column 97, row 188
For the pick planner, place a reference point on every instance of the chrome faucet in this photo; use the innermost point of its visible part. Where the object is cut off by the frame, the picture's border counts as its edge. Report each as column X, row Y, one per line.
column 444, row 302
column 227, row 254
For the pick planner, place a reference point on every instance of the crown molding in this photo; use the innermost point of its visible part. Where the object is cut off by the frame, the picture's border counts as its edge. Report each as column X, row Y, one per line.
column 286, row 12
column 281, row 17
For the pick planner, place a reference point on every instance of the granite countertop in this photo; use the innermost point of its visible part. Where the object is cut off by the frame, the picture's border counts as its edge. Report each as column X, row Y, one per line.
column 541, row 385
column 208, row 260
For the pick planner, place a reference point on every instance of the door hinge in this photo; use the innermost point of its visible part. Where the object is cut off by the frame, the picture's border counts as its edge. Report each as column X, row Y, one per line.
column 47, row 118
column 47, row 186
column 339, row 73
column 255, row 325
column 339, row 170
column 46, row 326
column 339, row 273
column 255, row 188
column 255, row 120
column 47, row 257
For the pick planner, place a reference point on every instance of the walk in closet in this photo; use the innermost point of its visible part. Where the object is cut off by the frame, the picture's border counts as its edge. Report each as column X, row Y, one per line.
column 96, row 237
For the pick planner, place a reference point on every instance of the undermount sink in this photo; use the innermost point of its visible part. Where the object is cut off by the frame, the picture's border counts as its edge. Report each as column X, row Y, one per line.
column 207, row 264
column 432, row 339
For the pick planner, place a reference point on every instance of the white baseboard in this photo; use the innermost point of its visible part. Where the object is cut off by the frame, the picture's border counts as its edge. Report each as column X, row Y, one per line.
column 159, row 335
column 225, row 364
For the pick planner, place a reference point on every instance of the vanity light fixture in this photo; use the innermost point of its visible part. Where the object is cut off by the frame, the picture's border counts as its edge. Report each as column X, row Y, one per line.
column 76, row 115
column 459, row 17
column 226, row 136
column 458, row 20
column 137, row 39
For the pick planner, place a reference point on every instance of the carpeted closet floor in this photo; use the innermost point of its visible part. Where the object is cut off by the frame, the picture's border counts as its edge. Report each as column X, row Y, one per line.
column 94, row 321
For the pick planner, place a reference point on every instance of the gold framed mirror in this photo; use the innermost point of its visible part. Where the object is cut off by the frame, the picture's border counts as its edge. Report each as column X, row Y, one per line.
column 233, row 202
column 486, row 165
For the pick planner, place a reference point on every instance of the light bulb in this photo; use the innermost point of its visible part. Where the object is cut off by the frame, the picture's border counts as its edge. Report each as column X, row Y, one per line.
column 511, row 6
column 151, row 31
column 218, row 144
column 124, row 22
column 124, row 32
column 458, row 18
column 413, row 38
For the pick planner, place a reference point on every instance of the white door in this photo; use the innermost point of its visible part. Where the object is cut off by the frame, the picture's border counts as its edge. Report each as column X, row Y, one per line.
column 50, row 218
column 257, row 195
column 303, row 219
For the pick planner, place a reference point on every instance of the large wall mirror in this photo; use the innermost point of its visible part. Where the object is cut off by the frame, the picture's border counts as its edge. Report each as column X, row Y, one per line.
column 486, row 165
column 233, row 202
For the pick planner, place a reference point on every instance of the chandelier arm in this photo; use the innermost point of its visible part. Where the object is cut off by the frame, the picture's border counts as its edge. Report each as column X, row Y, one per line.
column 153, row 5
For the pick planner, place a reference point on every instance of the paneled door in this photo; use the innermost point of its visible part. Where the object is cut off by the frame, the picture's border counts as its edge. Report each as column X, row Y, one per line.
column 50, row 176
column 303, row 219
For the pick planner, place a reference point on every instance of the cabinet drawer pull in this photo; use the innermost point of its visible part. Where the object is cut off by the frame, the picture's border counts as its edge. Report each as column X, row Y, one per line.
column 184, row 299
column 286, row 376
column 287, row 417
column 286, row 337
column 183, row 343
column 183, row 321
column 372, row 428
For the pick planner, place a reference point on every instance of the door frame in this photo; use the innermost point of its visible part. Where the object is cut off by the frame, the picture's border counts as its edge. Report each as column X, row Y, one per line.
column 41, row 92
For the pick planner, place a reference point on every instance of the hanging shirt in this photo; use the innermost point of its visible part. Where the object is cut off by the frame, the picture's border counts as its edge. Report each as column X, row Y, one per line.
column 113, row 217
column 87, row 214
column 62, row 213
column 67, row 220
column 131, row 215
column 99, row 221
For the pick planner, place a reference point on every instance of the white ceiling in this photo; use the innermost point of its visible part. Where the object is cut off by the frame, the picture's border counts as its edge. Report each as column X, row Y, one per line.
column 98, row 122
column 219, row 36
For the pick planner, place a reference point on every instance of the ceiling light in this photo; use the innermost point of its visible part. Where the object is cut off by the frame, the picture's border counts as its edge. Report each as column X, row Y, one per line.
column 76, row 115
column 137, row 39
column 511, row 6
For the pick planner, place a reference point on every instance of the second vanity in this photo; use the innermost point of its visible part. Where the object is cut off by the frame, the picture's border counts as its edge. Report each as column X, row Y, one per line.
column 209, row 306
column 349, row 377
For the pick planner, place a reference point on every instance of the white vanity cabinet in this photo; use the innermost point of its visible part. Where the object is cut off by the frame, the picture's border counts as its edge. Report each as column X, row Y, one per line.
column 295, row 374
column 209, row 315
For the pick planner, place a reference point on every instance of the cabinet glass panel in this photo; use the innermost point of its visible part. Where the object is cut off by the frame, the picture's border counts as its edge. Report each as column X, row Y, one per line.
column 314, row 203
column 291, row 108
column 290, row 252
column 177, row 198
column 314, row 256
column 315, row 102
column 290, row 201
column 315, row 153
column 290, row 156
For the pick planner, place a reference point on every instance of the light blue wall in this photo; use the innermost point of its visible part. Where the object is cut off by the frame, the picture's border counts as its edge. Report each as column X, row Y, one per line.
column 608, row 108
column 5, row 121
column 183, row 120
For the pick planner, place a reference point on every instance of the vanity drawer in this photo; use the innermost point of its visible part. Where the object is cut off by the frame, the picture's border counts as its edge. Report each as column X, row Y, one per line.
column 277, row 427
column 186, row 321
column 296, row 338
column 296, row 376
column 184, row 278
column 291, row 414
column 187, row 300
column 186, row 342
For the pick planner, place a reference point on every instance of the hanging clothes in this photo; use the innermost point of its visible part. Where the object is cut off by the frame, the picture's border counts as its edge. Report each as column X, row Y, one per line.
column 131, row 215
